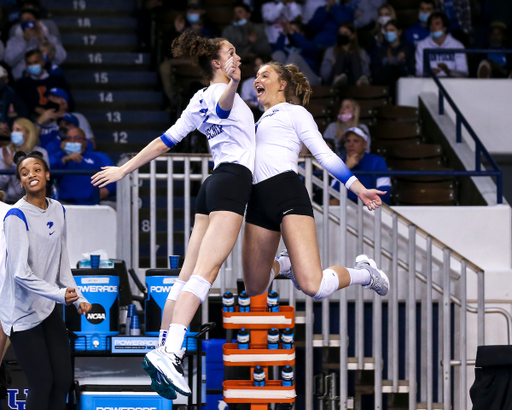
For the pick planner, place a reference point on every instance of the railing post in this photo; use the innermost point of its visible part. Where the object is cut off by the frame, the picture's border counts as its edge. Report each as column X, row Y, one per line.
column 499, row 188
column 170, row 206
column 187, row 200
column 411, row 318
column 458, row 129
column 343, row 304
column 430, row 330
column 481, row 307
column 377, row 314
column 463, row 336
column 447, row 388
column 393, row 311
column 325, row 257
column 441, row 102
column 135, row 220
column 152, row 214
column 359, row 292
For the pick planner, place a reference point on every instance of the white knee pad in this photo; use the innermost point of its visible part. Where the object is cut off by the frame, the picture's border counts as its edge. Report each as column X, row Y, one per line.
column 330, row 284
column 176, row 290
column 198, row 286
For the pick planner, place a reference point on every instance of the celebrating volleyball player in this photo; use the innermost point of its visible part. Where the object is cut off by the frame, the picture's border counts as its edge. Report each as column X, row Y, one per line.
column 219, row 113
column 38, row 274
column 279, row 201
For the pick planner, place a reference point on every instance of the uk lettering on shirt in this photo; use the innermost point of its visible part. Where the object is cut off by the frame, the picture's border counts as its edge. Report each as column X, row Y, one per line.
column 213, row 131
column 442, row 57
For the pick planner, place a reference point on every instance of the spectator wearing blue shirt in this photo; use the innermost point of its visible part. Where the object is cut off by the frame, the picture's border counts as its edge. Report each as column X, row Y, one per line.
column 327, row 19
column 419, row 30
column 77, row 189
column 358, row 159
column 496, row 65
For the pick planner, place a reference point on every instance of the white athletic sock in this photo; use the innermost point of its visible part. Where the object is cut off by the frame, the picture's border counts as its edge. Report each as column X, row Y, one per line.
column 284, row 263
column 359, row 276
column 175, row 338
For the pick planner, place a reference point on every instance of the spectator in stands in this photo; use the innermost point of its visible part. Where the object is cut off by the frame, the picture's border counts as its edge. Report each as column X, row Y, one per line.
column 458, row 13
column 302, row 52
column 23, row 138
column 12, row 105
column 248, row 92
column 77, row 189
column 496, row 65
column 309, row 7
column 30, row 14
column 48, row 49
column 366, row 12
column 275, row 13
column 348, row 117
column 393, row 60
column 33, row 87
column 248, row 38
column 48, row 120
column 358, row 159
column 447, row 64
column 419, row 30
column 346, row 62
column 385, row 13
column 198, row 21
column 33, row 35
column 326, row 21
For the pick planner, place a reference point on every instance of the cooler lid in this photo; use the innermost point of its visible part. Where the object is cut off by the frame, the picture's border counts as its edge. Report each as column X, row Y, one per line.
column 95, row 272
column 163, row 272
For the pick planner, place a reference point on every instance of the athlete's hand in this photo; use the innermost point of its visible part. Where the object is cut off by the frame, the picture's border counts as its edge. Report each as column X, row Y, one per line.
column 84, row 308
column 107, row 176
column 71, row 296
column 371, row 198
column 232, row 68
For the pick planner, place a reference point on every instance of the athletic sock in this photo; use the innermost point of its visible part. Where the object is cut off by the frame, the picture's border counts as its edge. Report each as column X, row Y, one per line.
column 359, row 276
column 175, row 338
column 284, row 263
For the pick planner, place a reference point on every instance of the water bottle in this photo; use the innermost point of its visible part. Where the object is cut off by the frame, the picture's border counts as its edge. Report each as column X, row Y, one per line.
column 287, row 338
column 244, row 302
column 55, row 190
column 243, row 337
column 228, row 302
column 134, row 326
column 273, row 302
column 287, row 376
column 273, row 339
column 259, row 376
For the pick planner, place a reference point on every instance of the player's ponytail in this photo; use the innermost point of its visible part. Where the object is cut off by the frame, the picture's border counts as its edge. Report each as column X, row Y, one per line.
column 200, row 49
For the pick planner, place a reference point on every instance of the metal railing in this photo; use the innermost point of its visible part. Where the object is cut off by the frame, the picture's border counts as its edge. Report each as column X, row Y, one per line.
column 460, row 120
column 423, row 272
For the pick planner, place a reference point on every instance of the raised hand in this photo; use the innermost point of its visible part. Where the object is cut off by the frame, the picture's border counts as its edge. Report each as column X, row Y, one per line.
column 107, row 176
column 232, row 68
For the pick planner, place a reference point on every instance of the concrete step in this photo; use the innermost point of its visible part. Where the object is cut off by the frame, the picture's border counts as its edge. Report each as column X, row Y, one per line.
column 112, row 80
column 104, row 99
column 66, row 24
column 98, row 40
column 121, row 117
column 121, row 137
column 83, row 5
column 106, row 60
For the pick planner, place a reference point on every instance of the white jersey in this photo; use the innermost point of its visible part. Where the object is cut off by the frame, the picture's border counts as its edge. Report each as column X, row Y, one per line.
column 4, row 208
column 230, row 139
column 280, row 133
column 454, row 61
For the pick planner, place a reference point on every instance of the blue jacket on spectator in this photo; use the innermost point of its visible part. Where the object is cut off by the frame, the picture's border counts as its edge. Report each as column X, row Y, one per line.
column 77, row 189
column 369, row 162
column 416, row 33
column 309, row 50
column 326, row 23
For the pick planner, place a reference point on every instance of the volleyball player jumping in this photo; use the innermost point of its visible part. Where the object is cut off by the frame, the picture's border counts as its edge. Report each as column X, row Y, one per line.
column 219, row 113
column 279, row 201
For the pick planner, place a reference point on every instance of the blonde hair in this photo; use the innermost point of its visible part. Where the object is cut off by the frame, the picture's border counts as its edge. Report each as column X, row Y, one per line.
column 392, row 13
column 296, row 83
column 33, row 137
column 341, row 127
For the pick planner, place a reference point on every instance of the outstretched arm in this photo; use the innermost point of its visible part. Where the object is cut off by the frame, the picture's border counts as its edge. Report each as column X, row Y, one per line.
column 109, row 175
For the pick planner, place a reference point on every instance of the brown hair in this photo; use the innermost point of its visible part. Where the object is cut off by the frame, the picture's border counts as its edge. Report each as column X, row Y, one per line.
column 192, row 46
column 354, row 42
column 296, row 83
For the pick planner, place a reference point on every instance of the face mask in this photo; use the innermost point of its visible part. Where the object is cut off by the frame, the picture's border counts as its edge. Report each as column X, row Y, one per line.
column 424, row 17
column 17, row 138
column 193, row 17
column 345, row 117
column 71, row 147
column 390, row 36
column 240, row 23
column 343, row 39
column 383, row 20
column 35, row 69
column 436, row 34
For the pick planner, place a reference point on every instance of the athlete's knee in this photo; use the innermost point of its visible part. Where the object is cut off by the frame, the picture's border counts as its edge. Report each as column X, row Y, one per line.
column 309, row 284
column 198, row 286
column 254, row 290
column 329, row 284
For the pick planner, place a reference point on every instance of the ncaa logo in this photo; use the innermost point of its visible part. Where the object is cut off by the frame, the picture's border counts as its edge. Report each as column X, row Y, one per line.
column 12, row 399
column 96, row 315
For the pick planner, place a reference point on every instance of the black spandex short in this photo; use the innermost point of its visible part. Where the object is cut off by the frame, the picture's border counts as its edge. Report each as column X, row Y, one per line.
column 272, row 199
column 227, row 189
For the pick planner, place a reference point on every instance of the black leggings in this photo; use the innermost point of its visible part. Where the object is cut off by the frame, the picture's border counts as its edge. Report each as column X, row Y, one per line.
column 44, row 356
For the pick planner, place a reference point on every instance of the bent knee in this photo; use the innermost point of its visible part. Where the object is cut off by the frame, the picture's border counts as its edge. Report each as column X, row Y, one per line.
column 310, row 285
column 254, row 290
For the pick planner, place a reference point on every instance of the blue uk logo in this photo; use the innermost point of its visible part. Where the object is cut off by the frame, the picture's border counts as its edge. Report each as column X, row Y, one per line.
column 12, row 399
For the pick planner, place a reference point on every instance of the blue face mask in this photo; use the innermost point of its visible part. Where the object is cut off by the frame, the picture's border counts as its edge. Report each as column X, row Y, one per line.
column 71, row 147
column 240, row 23
column 193, row 17
column 424, row 17
column 390, row 36
column 437, row 34
column 17, row 138
column 35, row 69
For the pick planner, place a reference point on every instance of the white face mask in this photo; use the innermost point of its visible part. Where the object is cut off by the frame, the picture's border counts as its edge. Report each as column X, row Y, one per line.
column 383, row 20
